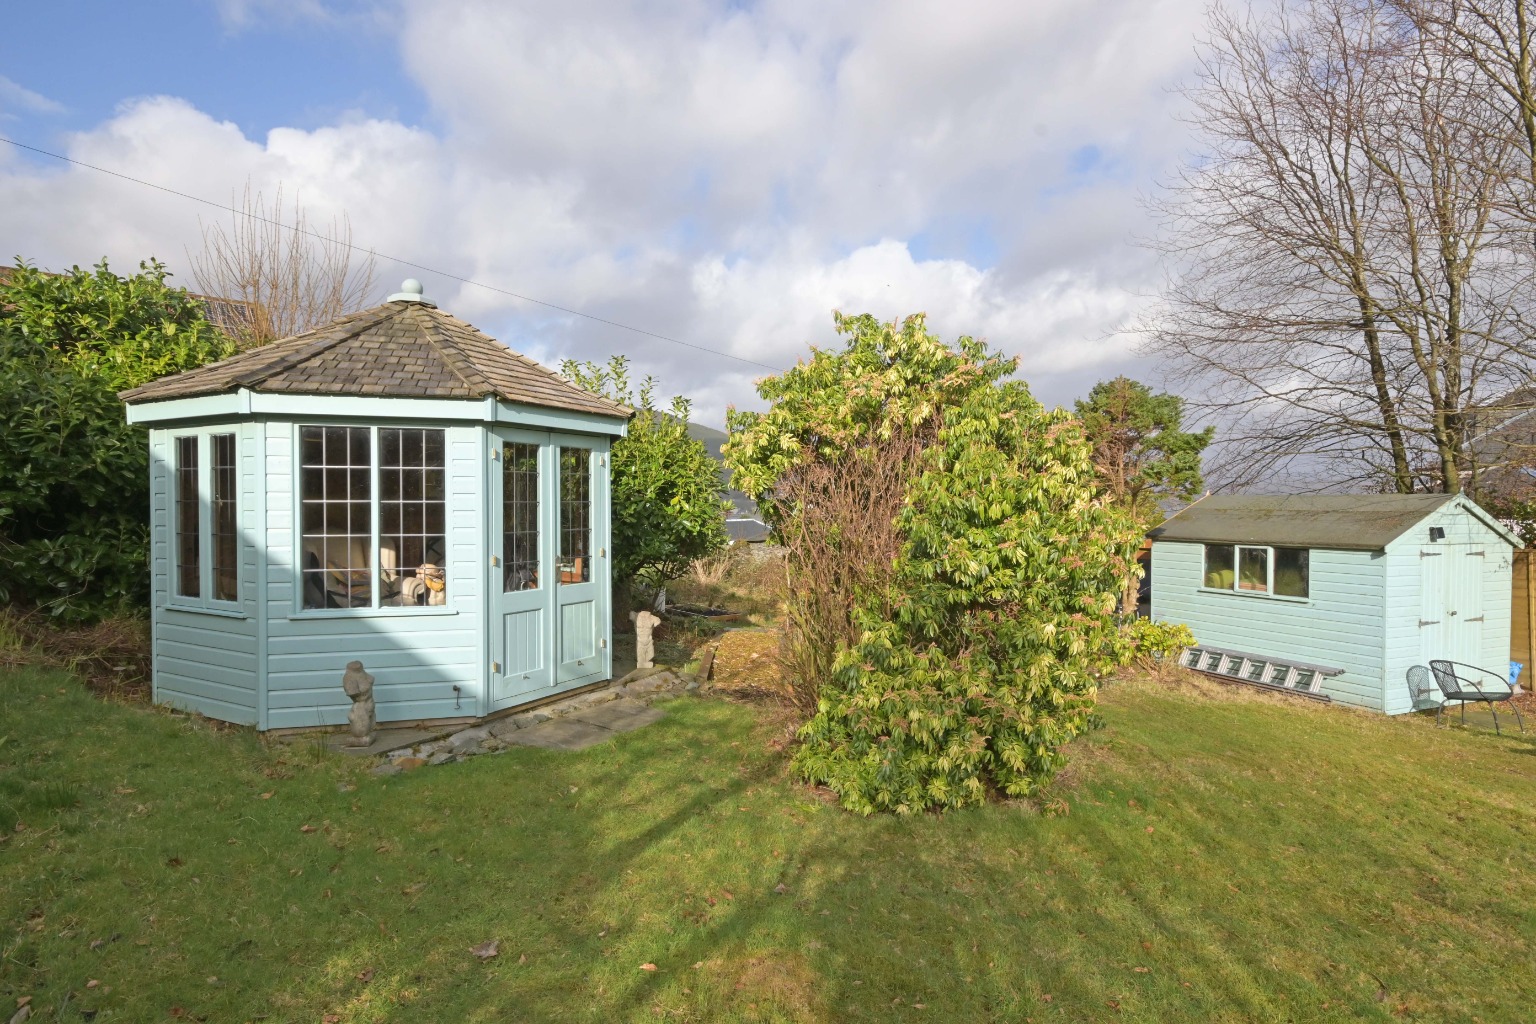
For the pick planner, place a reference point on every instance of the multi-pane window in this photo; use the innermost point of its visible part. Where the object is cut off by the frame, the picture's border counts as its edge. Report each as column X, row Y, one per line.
column 520, row 516
column 412, row 514
column 189, row 570
column 340, row 517
column 575, row 515
column 1251, row 569
column 205, row 518
column 226, row 541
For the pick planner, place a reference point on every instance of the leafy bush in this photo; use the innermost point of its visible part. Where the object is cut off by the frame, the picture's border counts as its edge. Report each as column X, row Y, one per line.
column 74, row 475
column 668, row 509
column 1154, row 643
column 974, row 648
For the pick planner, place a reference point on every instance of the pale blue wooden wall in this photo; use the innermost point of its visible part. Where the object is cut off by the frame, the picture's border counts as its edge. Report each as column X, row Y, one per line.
column 1340, row 625
column 1407, row 643
column 416, row 655
column 203, row 661
column 272, row 664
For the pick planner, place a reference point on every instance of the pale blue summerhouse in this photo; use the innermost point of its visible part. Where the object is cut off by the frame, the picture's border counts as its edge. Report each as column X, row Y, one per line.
column 1344, row 592
column 396, row 488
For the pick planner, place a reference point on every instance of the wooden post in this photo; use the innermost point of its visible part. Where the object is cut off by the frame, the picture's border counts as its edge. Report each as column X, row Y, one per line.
column 1530, row 621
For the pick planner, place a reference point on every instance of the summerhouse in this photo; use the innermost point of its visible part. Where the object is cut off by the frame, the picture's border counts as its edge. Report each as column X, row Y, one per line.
column 1336, row 594
column 395, row 488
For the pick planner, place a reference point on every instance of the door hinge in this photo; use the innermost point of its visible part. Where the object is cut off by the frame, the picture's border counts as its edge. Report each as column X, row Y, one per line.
column 1430, row 554
column 1428, row 622
column 495, row 561
column 495, row 453
column 602, row 644
column 495, row 666
column 1476, row 554
column 1478, row 619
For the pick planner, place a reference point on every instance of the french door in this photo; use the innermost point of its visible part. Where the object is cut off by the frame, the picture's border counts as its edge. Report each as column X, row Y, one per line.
column 549, row 574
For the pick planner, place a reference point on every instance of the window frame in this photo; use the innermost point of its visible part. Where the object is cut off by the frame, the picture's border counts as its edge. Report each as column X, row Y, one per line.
column 204, row 601
column 1270, row 561
column 373, row 609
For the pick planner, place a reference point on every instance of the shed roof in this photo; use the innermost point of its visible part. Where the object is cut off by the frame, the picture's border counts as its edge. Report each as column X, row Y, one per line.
column 401, row 349
column 1358, row 522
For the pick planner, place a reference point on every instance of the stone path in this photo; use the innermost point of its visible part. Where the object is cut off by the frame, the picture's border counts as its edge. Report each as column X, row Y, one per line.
column 573, row 724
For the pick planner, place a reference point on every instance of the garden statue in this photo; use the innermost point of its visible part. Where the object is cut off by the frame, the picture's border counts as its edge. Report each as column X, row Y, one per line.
column 360, row 720
column 645, row 647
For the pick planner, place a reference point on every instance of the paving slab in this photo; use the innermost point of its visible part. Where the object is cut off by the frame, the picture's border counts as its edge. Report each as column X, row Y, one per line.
column 384, row 740
column 620, row 715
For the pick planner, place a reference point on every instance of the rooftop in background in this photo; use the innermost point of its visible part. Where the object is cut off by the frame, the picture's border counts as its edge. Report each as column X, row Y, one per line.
column 405, row 348
column 745, row 507
column 1355, row 522
column 232, row 316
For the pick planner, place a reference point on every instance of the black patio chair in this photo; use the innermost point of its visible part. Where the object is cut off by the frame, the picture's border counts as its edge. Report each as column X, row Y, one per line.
column 1457, row 683
column 1424, row 693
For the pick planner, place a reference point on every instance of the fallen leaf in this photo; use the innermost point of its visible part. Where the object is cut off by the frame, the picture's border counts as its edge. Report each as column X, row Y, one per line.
column 487, row 950
column 1047, row 997
column 22, row 1014
column 213, row 979
column 92, row 983
column 523, row 958
column 22, row 1001
column 331, row 1018
column 177, row 1011
column 1151, row 829
column 98, row 943
column 124, row 791
column 648, row 967
column 308, row 828
column 727, row 894
column 1141, row 970
column 267, row 796
column 174, row 862
column 1112, row 1004
column 781, row 888
column 365, row 976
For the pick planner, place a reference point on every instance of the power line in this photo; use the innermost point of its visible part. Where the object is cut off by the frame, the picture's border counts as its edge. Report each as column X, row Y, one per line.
column 393, row 259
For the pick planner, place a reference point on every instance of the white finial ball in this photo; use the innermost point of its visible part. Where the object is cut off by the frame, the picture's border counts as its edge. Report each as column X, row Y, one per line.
column 411, row 285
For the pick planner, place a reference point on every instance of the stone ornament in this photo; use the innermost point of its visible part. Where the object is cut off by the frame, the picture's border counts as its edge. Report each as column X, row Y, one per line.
column 360, row 720
column 645, row 646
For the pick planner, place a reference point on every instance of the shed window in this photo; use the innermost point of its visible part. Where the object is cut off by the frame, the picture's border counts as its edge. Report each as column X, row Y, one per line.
column 1292, row 573
column 342, row 512
column 575, row 515
column 1251, row 569
column 205, row 519
column 520, row 516
column 189, row 573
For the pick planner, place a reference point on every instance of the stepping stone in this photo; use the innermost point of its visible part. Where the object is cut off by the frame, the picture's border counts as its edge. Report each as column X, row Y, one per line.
column 560, row 734
column 620, row 715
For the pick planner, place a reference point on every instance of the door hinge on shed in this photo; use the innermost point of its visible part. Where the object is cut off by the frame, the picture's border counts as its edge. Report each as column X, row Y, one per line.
column 1430, row 554
column 1428, row 622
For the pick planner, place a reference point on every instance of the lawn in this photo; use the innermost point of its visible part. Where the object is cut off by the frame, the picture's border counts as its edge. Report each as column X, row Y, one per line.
column 1220, row 859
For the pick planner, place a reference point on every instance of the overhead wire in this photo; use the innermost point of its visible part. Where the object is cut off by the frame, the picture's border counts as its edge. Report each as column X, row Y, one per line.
column 393, row 259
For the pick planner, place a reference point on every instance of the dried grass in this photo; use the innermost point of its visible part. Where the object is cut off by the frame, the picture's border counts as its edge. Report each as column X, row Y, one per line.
column 112, row 656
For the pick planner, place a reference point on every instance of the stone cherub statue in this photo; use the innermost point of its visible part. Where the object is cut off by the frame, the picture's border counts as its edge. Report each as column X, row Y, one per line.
column 645, row 646
column 360, row 720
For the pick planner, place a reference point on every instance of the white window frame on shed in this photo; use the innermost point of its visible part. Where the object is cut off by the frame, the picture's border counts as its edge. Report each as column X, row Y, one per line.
column 375, row 534
column 1271, row 559
column 204, row 600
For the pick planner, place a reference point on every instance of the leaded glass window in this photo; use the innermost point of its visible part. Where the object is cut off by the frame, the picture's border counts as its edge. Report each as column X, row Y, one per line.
column 575, row 515
column 189, row 570
column 520, row 516
column 226, row 540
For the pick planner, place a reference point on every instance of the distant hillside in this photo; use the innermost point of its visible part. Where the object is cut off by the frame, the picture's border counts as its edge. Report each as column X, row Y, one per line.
column 713, row 439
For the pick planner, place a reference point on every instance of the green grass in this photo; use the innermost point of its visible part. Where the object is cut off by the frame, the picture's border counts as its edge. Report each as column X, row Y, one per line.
column 1228, row 860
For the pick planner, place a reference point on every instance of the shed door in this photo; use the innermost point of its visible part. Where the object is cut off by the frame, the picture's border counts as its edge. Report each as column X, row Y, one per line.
column 548, row 571
column 1451, row 601
column 578, row 586
column 522, row 645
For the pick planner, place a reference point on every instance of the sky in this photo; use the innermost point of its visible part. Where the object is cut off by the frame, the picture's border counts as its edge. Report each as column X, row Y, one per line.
column 723, row 173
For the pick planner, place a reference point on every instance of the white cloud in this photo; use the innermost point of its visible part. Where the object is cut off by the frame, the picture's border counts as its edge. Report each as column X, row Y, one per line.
column 725, row 176
column 15, row 97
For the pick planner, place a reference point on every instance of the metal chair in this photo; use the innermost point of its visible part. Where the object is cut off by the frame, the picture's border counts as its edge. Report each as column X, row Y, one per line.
column 1424, row 693
column 1457, row 684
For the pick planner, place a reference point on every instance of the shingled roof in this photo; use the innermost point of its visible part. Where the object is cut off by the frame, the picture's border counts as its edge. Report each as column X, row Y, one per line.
column 406, row 348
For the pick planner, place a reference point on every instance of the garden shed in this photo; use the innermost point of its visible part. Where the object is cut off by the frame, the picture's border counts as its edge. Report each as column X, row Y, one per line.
column 1355, row 588
column 395, row 487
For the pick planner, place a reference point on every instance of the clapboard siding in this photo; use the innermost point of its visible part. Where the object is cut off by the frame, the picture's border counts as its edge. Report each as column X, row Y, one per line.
column 203, row 662
column 416, row 657
column 1407, row 643
column 1339, row 625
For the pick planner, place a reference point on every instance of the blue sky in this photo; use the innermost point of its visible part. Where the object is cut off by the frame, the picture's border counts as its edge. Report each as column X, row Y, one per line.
column 720, row 172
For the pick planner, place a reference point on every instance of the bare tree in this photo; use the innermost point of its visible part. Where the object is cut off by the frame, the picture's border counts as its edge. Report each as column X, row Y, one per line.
column 288, row 276
column 1346, row 289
